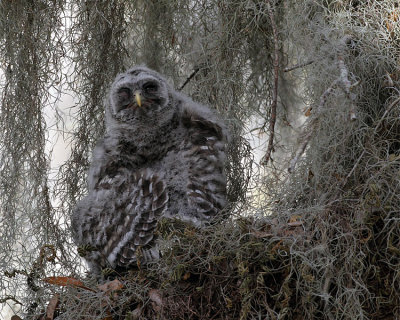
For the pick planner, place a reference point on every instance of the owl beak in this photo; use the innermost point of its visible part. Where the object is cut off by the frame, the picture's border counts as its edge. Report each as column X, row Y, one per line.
column 138, row 99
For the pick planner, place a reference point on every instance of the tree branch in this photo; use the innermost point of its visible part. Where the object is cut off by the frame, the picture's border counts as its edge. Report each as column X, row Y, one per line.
column 272, row 119
column 189, row 78
column 297, row 66
column 346, row 85
column 312, row 124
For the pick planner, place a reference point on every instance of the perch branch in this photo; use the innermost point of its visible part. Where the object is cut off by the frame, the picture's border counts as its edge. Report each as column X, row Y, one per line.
column 272, row 119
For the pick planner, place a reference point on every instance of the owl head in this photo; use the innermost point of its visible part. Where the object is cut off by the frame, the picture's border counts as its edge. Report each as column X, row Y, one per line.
column 139, row 95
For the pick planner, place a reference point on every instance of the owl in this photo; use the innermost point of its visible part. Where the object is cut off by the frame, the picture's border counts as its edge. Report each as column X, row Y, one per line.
column 162, row 156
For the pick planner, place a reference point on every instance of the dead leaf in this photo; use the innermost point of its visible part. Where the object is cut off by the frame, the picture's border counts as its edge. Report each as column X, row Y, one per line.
column 295, row 224
column 156, row 298
column 308, row 112
column 67, row 281
column 391, row 22
column 110, row 293
column 294, row 218
column 111, row 286
column 276, row 247
column 51, row 307
column 186, row 276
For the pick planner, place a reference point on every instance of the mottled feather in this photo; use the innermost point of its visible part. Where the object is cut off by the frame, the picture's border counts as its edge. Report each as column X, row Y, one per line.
column 162, row 158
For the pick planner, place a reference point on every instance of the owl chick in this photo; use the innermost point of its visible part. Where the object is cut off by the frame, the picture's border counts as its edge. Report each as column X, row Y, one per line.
column 162, row 155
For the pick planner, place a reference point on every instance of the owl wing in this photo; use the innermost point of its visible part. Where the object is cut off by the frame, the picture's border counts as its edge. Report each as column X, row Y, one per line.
column 205, row 145
column 146, row 205
column 116, row 220
column 97, row 166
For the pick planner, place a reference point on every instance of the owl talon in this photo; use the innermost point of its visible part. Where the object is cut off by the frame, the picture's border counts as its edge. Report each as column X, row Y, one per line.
column 106, row 272
column 85, row 249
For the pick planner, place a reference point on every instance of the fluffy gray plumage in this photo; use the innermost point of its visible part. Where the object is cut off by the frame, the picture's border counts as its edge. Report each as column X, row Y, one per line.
column 162, row 156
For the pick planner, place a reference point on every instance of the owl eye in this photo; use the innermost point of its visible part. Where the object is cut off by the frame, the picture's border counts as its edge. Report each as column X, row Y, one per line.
column 150, row 87
column 124, row 95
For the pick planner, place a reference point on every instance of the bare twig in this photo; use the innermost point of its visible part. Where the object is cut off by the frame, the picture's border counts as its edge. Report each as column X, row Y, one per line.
column 311, row 126
column 300, row 151
column 389, row 108
column 342, row 81
column 272, row 119
column 4, row 300
column 354, row 167
column 297, row 66
column 325, row 96
column 189, row 78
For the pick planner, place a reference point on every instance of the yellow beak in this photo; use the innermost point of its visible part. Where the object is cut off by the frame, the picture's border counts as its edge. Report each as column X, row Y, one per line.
column 138, row 99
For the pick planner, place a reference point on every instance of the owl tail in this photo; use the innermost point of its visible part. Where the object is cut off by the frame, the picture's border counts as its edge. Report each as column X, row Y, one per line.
column 133, row 241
